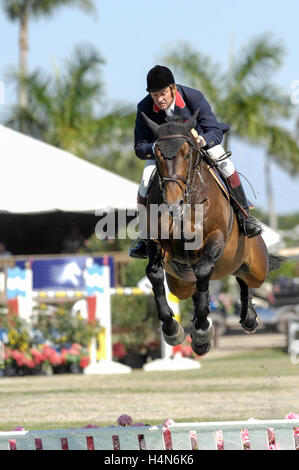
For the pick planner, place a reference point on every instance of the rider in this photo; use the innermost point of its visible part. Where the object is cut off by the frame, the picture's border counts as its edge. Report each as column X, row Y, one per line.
column 164, row 99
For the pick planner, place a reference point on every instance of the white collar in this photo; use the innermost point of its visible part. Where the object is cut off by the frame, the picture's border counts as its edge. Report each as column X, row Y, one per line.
column 170, row 111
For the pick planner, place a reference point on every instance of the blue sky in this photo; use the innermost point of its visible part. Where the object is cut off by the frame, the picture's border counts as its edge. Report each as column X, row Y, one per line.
column 132, row 36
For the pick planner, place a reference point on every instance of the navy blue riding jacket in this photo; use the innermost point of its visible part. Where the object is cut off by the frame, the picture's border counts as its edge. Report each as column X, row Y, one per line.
column 187, row 101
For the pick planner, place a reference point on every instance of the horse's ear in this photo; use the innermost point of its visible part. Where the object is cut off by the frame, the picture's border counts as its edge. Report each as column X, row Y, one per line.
column 151, row 124
column 192, row 121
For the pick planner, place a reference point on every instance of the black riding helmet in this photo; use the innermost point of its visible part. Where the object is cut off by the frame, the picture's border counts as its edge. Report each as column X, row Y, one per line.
column 159, row 77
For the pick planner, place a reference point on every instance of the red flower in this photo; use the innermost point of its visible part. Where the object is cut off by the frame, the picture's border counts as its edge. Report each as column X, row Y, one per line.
column 30, row 363
column 51, row 355
column 119, row 350
column 18, row 357
column 36, row 355
column 84, row 362
column 187, row 351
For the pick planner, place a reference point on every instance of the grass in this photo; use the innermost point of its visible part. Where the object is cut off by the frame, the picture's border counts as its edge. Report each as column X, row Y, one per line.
column 263, row 384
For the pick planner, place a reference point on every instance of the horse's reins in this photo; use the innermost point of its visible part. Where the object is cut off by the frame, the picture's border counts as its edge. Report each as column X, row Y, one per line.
column 177, row 178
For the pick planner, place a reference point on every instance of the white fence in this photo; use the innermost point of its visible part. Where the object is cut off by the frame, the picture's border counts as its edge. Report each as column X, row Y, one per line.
column 188, row 436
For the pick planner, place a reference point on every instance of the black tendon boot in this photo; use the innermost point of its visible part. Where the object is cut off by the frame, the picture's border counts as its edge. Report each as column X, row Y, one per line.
column 250, row 226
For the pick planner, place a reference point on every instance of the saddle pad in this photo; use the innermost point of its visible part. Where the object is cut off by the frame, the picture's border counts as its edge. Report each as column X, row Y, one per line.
column 223, row 185
column 219, row 181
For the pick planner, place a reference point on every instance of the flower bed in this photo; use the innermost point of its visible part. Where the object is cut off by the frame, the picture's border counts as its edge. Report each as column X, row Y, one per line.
column 53, row 342
column 45, row 358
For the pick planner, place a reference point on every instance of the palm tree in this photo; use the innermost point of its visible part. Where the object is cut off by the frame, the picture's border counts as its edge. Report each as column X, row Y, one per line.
column 245, row 97
column 21, row 11
column 64, row 110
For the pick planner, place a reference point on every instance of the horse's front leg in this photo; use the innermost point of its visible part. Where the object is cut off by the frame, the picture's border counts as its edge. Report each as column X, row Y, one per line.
column 173, row 332
column 203, row 331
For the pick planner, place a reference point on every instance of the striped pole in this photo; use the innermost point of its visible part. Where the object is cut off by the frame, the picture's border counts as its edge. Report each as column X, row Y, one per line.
column 97, row 280
column 19, row 291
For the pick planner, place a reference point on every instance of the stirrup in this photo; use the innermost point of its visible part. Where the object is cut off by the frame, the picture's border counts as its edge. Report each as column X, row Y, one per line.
column 258, row 226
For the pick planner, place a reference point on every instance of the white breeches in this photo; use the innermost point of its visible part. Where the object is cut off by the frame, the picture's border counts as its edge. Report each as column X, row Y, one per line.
column 148, row 169
column 227, row 167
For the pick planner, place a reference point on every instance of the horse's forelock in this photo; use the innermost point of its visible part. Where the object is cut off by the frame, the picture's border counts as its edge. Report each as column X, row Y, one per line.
column 173, row 125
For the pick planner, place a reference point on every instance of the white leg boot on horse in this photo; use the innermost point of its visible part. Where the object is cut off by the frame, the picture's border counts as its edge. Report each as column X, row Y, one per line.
column 138, row 248
column 248, row 224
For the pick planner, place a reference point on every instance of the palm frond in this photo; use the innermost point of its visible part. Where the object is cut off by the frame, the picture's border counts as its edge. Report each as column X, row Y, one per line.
column 195, row 70
column 283, row 148
column 14, row 9
column 261, row 57
column 39, row 8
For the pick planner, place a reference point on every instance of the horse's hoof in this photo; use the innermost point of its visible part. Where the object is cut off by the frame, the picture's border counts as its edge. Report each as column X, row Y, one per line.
column 201, row 339
column 177, row 338
column 251, row 322
column 203, row 336
column 201, row 349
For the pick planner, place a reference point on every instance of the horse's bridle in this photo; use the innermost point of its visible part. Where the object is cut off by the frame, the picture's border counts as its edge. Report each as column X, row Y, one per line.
column 189, row 187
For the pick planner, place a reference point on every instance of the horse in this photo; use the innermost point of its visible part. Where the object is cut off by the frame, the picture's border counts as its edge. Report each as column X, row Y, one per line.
column 184, row 183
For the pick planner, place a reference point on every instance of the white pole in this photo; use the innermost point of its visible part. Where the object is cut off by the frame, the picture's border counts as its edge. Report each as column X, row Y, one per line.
column 99, row 277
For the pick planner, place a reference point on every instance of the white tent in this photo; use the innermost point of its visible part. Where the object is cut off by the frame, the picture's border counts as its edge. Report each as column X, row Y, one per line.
column 271, row 238
column 39, row 178
column 36, row 177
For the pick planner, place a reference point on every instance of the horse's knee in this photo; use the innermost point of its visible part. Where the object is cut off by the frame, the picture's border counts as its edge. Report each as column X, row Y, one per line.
column 203, row 269
column 155, row 276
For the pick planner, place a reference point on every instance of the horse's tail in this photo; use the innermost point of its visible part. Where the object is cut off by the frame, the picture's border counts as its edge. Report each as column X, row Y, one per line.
column 275, row 262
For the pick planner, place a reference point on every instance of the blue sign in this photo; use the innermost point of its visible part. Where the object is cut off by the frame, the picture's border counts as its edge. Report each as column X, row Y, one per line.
column 64, row 273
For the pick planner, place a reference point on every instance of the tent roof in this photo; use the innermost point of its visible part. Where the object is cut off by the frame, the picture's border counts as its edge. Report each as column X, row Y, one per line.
column 37, row 177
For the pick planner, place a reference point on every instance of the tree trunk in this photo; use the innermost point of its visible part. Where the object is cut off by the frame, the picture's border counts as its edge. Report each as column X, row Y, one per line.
column 23, row 51
column 273, row 222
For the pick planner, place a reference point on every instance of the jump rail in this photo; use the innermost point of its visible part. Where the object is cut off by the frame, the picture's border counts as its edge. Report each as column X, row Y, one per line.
column 188, row 436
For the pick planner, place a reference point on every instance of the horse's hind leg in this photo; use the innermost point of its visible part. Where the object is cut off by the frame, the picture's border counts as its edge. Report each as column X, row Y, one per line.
column 173, row 332
column 248, row 316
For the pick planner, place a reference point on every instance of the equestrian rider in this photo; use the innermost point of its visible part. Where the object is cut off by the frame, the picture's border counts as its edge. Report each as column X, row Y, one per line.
column 164, row 99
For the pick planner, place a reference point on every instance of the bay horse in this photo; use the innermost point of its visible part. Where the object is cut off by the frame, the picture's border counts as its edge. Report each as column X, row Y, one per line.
column 183, row 180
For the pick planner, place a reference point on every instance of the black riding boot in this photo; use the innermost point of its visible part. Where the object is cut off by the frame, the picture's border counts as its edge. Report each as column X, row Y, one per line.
column 250, row 226
column 140, row 250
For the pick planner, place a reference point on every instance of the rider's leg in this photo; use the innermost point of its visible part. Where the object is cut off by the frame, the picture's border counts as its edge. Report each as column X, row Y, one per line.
column 249, row 225
column 139, row 250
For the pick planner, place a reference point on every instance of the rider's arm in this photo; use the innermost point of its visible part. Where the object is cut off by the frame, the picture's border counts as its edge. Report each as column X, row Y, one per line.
column 143, row 138
column 207, row 124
